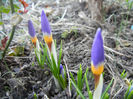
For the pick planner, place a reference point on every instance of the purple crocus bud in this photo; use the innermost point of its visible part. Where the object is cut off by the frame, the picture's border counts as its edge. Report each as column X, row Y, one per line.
column 97, row 59
column 61, row 69
column 97, row 51
column 31, row 29
column 45, row 24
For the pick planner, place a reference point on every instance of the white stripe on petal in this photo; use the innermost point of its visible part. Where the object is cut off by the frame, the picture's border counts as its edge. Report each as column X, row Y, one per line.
column 38, row 49
column 53, row 50
column 98, row 91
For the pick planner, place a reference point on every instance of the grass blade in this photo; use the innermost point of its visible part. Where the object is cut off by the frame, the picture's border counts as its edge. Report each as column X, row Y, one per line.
column 109, row 85
column 78, row 90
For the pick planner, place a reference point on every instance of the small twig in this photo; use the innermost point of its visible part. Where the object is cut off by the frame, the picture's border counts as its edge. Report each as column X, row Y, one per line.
column 109, row 49
column 69, row 89
column 112, row 89
column 63, row 15
column 118, row 92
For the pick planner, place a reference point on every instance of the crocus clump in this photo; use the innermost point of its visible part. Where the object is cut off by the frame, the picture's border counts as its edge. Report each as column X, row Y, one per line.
column 56, row 69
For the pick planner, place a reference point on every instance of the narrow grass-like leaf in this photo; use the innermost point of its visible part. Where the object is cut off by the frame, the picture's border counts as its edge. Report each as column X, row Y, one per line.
column 109, row 85
column 106, row 96
column 72, row 78
column 86, row 72
column 130, row 96
column 126, row 94
column 87, row 85
column 39, row 61
column 90, row 95
column 60, row 54
column 78, row 90
column 79, row 78
column 35, row 96
column 55, row 70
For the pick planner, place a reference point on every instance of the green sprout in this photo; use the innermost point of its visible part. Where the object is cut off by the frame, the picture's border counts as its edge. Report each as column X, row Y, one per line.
column 123, row 74
column 129, row 4
column 80, row 80
column 55, row 68
column 61, row 77
column 129, row 93
column 79, row 90
column 41, row 57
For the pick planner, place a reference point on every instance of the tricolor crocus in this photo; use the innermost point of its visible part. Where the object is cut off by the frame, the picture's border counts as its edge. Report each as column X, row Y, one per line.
column 46, row 30
column 32, row 32
column 97, row 60
column 47, row 35
column 33, row 37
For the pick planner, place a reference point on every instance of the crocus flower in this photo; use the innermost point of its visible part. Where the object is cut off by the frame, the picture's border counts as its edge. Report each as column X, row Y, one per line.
column 97, row 66
column 47, row 35
column 32, row 32
column 46, row 30
column 61, row 70
column 34, row 39
column 97, row 55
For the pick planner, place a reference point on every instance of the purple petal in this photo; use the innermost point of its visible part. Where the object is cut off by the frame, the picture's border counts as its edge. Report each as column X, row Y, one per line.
column 31, row 29
column 45, row 24
column 61, row 68
column 97, row 51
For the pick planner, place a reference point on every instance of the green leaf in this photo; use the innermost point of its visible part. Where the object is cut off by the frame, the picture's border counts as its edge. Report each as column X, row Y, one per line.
column 35, row 95
column 126, row 94
column 79, row 78
column 90, row 95
column 60, row 54
column 6, row 10
column 72, row 78
column 1, row 23
column 39, row 61
column 16, row 6
column 78, row 90
column 130, row 5
column 106, row 96
column 86, row 72
column 55, row 68
column 130, row 96
column 109, row 85
column 1, row 8
column 88, row 89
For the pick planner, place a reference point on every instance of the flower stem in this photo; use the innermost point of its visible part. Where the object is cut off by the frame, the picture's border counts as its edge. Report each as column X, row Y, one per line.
column 12, row 33
column 11, row 37
column 12, row 6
